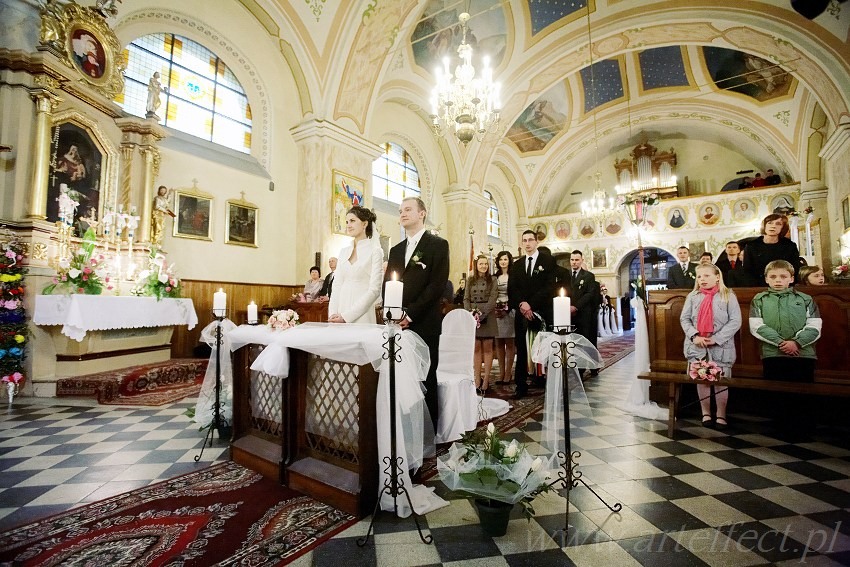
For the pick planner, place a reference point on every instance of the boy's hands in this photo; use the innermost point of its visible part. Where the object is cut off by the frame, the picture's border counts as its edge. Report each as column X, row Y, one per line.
column 790, row 348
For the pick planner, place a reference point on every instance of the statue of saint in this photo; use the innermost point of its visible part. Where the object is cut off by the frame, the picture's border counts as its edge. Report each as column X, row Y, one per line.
column 160, row 209
column 154, row 89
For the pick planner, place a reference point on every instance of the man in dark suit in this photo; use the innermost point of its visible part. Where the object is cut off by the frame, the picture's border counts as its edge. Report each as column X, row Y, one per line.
column 584, row 300
column 730, row 261
column 682, row 274
column 770, row 178
column 529, row 291
column 327, row 287
column 421, row 261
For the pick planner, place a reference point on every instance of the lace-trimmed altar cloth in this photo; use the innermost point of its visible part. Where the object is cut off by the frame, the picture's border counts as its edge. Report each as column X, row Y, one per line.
column 79, row 314
column 363, row 344
column 546, row 351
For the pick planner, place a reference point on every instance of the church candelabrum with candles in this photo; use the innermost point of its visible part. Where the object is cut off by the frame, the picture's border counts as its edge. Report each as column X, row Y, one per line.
column 173, row 149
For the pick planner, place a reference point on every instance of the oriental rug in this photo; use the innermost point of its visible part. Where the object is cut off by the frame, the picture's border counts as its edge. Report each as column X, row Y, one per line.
column 144, row 385
column 614, row 349
column 223, row 514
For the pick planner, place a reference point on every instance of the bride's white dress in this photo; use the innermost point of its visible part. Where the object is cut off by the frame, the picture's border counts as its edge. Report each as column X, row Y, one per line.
column 357, row 286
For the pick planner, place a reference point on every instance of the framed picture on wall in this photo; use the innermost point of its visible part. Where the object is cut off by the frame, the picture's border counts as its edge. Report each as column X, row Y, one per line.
column 347, row 191
column 194, row 214
column 845, row 208
column 696, row 249
column 240, row 223
column 599, row 258
column 76, row 169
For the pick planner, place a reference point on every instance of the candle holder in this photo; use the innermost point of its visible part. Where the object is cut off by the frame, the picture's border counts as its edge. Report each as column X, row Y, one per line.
column 569, row 476
column 394, row 483
column 218, row 422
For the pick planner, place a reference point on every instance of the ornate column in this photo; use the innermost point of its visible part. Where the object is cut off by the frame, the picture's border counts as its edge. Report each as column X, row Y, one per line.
column 45, row 103
column 150, row 169
column 138, row 176
column 836, row 153
column 323, row 147
column 466, row 209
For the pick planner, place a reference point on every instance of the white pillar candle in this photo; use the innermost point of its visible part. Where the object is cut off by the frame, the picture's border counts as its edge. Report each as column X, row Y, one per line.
column 219, row 303
column 561, row 310
column 252, row 313
column 393, row 293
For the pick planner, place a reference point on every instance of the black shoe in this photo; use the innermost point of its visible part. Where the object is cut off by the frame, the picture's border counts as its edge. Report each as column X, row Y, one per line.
column 519, row 394
column 594, row 373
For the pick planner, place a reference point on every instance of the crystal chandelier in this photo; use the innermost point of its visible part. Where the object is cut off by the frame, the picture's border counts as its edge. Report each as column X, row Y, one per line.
column 461, row 103
column 600, row 205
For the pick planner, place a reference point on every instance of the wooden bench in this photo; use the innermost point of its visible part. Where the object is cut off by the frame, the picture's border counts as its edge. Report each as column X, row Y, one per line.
column 666, row 338
column 675, row 381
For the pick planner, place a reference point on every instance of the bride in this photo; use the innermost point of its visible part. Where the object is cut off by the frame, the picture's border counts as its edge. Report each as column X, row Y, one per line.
column 357, row 282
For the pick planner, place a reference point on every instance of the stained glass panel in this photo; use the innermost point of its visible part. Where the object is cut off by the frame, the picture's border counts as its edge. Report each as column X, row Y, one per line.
column 203, row 97
column 394, row 175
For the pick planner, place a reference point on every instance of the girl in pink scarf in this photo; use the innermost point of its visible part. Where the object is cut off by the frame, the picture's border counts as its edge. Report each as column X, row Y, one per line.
column 710, row 318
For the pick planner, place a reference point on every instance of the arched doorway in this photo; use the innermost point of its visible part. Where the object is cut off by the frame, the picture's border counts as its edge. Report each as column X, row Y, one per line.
column 655, row 262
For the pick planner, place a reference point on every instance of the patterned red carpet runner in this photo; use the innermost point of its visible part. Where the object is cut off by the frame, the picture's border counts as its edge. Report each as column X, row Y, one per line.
column 224, row 513
column 145, row 385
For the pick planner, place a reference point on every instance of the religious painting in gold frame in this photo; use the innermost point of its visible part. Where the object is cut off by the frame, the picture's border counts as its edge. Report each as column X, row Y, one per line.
column 193, row 208
column 347, row 191
column 240, row 222
column 84, row 40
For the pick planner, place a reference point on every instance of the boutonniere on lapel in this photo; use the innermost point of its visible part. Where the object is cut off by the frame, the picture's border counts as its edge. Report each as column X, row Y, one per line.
column 692, row 274
column 538, row 269
column 581, row 282
column 417, row 259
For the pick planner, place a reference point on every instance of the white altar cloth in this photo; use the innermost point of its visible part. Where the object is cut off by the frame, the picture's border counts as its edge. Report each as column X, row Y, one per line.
column 363, row 344
column 79, row 314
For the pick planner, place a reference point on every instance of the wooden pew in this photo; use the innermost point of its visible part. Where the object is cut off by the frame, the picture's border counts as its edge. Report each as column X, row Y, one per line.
column 666, row 339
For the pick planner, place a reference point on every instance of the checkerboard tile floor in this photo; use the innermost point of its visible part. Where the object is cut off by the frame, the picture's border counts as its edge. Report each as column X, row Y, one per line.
column 745, row 496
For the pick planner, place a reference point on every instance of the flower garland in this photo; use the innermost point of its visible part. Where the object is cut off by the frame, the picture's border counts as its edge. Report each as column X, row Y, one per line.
column 159, row 280
column 85, row 272
column 283, row 319
column 13, row 319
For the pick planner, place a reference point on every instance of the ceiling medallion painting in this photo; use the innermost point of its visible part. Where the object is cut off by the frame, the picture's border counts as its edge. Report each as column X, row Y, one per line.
column 439, row 33
column 746, row 74
column 541, row 120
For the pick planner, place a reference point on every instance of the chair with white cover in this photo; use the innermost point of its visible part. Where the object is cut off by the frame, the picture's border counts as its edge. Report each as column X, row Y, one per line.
column 456, row 395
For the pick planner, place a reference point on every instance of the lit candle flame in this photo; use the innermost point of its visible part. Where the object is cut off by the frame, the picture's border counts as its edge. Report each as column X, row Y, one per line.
column 563, row 292
column 394, row 276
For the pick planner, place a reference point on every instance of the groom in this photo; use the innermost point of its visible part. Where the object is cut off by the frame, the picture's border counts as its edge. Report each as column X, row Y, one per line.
column 421, row 261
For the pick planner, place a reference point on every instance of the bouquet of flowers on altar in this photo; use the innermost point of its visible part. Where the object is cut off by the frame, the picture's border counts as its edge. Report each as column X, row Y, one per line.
column 283, row 319
column 842, row 270
column 84, row 272
column 159, row 279
column 706, row 370
column 483, row 466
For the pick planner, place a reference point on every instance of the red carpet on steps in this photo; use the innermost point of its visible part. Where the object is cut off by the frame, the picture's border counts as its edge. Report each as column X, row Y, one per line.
column 144, row 385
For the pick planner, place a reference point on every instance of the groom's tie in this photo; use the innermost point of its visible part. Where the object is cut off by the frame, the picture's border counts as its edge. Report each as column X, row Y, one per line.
column 528, row 269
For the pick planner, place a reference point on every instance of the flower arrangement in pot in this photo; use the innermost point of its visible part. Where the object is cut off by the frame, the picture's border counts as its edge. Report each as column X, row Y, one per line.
column 13, row 318
column 159, row 279
column 497, row 474
column 85, row 272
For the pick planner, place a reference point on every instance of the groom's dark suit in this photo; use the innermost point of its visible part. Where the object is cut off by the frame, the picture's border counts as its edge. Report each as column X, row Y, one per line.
column 424, row 277
column 537, row 291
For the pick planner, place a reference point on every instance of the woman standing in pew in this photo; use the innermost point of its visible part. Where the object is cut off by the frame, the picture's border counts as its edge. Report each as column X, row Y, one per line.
column 710, row 318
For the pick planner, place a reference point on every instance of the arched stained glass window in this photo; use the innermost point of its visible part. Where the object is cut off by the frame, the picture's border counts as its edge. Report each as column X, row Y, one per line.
column 492, row 217
column 202, row 96
column 394, row 175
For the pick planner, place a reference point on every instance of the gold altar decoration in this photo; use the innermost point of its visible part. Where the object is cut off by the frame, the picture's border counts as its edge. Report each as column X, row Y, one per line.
column 80, row 36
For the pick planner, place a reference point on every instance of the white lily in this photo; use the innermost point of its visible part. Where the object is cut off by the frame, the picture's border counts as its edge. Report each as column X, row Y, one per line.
column 536, row 464
column 74, row 273
column 163, row 277
column 491, row 429
column 512, row 449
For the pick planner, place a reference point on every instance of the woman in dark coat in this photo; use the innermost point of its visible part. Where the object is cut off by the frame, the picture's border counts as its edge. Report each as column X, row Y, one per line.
column 773, row 244
column 480, row 298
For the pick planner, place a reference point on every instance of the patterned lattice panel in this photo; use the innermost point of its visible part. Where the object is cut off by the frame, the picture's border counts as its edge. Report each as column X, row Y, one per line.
column 332, row 413
column 265, row 398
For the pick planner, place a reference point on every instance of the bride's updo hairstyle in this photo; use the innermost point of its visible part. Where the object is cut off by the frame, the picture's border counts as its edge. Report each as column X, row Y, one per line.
column 365, row 215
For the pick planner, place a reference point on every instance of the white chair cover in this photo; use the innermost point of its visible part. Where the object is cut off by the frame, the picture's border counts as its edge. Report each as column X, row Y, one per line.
column 455, row 383
column 206, row 398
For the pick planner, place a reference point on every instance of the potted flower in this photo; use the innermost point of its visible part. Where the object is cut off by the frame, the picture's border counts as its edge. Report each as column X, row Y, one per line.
column 497, row 474
column 158, row 280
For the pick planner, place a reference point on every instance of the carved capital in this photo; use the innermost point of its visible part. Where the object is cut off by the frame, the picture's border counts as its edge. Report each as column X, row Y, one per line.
column 45, row 100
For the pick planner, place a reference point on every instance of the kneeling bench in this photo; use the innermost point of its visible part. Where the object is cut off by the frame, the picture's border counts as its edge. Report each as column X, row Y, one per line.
column 675, row 381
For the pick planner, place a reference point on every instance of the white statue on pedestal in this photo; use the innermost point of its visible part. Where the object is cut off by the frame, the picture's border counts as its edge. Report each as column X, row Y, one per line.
column 154, row 90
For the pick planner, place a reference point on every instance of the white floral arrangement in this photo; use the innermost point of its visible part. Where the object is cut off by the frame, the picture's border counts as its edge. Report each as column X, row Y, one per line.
column 283, row 319
column 484, row 466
